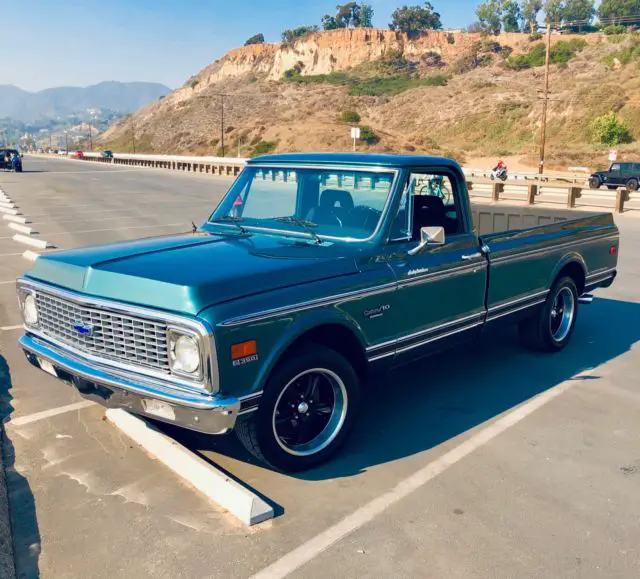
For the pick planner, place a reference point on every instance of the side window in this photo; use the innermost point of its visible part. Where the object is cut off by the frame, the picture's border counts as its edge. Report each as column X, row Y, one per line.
column 615, row 167
column 429, row 200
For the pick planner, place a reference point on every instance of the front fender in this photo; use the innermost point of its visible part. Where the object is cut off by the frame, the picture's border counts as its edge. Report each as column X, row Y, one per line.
column 301, row 325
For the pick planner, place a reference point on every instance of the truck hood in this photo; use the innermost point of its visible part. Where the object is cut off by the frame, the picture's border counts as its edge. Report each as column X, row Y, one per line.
column 188, row 272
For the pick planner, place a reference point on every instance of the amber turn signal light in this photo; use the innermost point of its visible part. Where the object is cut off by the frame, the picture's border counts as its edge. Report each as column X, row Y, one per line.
column 244, row 350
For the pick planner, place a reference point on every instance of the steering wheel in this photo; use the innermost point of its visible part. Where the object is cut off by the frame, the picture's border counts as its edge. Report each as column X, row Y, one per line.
column 363, row 217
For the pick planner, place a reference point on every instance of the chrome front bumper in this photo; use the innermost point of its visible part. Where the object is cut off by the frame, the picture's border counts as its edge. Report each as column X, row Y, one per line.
column 208, row 414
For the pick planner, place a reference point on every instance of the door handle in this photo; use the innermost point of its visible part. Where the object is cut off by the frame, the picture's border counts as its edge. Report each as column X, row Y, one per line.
column 471, row 256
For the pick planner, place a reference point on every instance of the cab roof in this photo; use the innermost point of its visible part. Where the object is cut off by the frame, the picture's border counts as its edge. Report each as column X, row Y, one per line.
column 351, row 159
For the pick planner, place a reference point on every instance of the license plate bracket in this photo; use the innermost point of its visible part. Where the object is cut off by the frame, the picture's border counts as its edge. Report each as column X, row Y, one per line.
column 48, row 367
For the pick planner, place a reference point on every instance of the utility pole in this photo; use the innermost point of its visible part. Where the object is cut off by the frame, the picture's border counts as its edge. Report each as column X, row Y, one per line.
column 222, row 123
column 66, row 141
column 90, row 137
column 133, row 136
column 545, row 103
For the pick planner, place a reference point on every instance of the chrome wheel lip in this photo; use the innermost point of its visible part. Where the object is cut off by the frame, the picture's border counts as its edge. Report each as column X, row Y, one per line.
column 564, row 305
column 333, row 427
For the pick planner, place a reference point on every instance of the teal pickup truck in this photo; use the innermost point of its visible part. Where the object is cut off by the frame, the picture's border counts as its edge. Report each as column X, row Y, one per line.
column 314, row 271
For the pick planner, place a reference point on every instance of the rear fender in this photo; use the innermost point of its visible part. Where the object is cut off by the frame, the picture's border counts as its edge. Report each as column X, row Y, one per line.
column 567, row 259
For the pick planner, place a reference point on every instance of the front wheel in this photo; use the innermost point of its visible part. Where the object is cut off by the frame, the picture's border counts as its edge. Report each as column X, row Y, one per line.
column 503, row 177
column 306, row 412
column 551, row 328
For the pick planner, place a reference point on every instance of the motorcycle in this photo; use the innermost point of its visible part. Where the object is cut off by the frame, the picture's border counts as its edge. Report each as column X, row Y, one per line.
column 499, row 173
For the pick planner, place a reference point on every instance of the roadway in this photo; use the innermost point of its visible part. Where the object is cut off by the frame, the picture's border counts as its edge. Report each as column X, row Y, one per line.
column 487, row 461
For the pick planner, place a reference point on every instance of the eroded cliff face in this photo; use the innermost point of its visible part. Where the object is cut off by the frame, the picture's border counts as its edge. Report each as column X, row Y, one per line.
column 336, row 50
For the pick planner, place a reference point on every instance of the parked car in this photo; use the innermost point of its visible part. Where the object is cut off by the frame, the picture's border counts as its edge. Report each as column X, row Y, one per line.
column 314, row 271
column 619, row 175
column 107, row 154
column 10, row 159
column 78, row 155
column 62, row 152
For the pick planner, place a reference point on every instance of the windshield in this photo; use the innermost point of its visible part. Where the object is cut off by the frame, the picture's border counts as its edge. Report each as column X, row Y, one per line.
column 346, row 204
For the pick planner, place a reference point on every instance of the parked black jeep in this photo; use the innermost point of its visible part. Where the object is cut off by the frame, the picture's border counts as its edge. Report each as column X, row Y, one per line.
column 619, row 175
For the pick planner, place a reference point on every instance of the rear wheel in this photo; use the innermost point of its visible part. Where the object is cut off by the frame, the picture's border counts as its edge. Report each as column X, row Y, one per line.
column 551, row 328
column 306, row 413
column 632, row 184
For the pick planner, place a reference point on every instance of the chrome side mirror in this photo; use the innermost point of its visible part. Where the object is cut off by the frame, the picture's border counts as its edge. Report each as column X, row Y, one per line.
column 429, row 236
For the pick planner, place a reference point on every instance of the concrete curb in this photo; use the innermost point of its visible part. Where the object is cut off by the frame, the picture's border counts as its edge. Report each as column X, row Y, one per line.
column 15, row 219
column 239, row 501
column 21, row 228
column 9, row 211
column 39, row 243
column 7, row 562
column 30, row 255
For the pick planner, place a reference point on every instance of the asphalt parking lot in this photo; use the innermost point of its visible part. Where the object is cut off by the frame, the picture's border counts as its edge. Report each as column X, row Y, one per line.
column 487, row 461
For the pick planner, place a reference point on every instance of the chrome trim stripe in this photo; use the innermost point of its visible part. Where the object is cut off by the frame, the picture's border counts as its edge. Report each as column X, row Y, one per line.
column 510, row 311
column 427, row 331
column 429, row 340
column 200, row 327
column 265, row 314
column 550, row 249
column 320, row 165
column 250, row 396
column 517, row 301
column 604, row 272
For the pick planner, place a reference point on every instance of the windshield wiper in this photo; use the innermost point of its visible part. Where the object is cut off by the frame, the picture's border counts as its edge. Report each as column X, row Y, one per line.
column 229, row 219
column 306, row 225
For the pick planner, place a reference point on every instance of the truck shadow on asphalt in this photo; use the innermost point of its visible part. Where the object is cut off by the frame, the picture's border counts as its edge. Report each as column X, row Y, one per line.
column 22, row 509
column 418, row 407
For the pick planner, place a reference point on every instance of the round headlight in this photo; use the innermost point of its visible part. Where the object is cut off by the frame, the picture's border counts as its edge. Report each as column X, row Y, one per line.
column 186, row 355
column 30, row 311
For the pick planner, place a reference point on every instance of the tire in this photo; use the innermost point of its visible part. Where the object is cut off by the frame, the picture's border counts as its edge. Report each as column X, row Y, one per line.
column 594, row 183
column 503, row 177
column 632, row 185
column 492, row 177
column 291, row 391
column 543, row 332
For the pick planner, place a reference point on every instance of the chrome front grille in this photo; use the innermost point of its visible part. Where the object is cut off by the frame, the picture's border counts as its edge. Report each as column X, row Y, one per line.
column 105, row 334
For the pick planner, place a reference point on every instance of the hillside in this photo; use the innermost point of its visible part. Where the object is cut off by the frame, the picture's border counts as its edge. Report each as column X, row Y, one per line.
column 21, row 105
column 458, row 94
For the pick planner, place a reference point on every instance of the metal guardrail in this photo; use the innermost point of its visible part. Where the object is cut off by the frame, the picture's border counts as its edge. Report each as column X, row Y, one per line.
column 571, row 196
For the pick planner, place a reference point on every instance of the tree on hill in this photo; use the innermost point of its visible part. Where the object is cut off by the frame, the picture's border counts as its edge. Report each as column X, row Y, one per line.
column 554, row 11
column 530, row 10
column 489, row 15
column 579, row 11
column 256, row 39
column 349, row 15
column 620, row 12
column 511, row 16
column 289, row 36
column 413, row 19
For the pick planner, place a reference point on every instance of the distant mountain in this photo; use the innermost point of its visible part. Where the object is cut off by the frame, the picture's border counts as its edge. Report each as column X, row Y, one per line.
column 123, row 97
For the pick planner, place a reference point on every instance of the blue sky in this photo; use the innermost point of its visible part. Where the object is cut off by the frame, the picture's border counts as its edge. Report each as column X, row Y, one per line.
column 74, row 42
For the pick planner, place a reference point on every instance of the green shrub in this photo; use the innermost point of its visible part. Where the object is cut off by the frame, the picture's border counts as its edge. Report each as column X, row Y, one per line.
column 614, row 29
column 561, row 52
column 350, row 117
column 392, row 86
column 264, row 148
column 451, row 38
column 624, row 56
column 535, row 36
column 368, row 135
column 609, row 130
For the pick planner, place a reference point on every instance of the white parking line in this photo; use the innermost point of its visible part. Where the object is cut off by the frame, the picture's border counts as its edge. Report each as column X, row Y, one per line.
column 10, row 328
column 31, row 418
column 365, row 514
column 7, row 282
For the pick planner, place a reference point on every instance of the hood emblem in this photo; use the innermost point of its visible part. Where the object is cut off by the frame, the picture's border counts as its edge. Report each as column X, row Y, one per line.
column 83, row 329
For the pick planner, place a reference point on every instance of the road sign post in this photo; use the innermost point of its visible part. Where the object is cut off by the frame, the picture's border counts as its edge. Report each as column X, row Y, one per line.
column 355, row 134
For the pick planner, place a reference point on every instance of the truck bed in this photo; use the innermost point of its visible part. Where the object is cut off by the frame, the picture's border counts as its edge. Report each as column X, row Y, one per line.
column 489, row 219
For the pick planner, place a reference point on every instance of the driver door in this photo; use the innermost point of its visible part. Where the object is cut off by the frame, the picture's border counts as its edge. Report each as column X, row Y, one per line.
column 441, row 289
